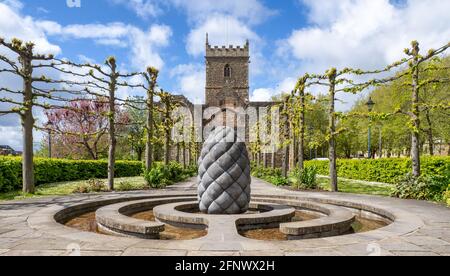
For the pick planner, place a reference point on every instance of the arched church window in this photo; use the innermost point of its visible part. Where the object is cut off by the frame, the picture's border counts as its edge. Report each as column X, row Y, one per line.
column 227, row 71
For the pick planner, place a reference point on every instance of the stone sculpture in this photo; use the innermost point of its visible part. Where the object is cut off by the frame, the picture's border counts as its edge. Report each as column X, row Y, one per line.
column 224, row 174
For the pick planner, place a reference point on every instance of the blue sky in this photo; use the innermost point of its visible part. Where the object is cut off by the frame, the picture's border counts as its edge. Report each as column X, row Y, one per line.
column 280, row 19
column 288, row 38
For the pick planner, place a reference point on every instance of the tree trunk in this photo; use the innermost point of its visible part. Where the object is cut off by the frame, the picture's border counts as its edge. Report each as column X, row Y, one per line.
column 112, row 123
column 139, row 154
column 415, row 141
column 430, row 133
column 167, row 149
column 332, row 131
column 274, row 152
column 184, row 156
column 27, row 128
column 380, row 144
column 301, row 142
column 285, row 165
column 148, row 144
column 112, row 132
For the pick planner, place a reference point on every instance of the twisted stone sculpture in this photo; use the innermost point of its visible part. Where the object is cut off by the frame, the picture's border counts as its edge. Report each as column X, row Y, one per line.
column 224, row 174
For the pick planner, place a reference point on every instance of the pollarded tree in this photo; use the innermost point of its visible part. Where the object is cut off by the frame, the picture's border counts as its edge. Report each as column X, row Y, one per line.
column 151, row 77
column 285, row 133
column 166, row 107
column 23, row 101
column 134, row 132
column 416, row 86
column 102, row 82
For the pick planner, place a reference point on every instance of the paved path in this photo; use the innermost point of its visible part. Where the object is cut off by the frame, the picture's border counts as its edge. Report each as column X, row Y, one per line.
column 421, row 228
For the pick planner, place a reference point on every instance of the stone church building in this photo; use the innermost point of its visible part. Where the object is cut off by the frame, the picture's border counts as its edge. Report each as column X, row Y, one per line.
column 227, row 92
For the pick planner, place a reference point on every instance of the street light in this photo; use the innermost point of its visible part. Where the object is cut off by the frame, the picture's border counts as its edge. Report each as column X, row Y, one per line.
column 310, row 131
column 49, row 126
column 370, row 104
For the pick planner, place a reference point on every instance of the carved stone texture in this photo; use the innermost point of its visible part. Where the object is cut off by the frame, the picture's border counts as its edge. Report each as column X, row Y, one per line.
column 224, row 174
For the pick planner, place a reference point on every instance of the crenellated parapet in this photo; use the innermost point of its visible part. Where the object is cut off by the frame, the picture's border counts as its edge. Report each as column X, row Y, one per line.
column 230, row 51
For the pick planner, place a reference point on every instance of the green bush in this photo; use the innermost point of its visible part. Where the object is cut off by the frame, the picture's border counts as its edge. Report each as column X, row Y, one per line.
column 10, row 175
column 306, row 179
column 161, row 176
column 384, row 170
column 278, row 180
column 422, row 188
column 125, row 186
column 91, row 186
column 61, row 170
column 271, row 175
column 447, row 195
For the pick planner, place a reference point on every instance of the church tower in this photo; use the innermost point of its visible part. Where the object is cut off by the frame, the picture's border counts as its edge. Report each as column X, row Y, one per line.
column 227, row 75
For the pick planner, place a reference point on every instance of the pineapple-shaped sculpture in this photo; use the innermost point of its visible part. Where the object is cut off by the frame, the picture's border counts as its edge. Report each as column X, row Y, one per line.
column 224, row 174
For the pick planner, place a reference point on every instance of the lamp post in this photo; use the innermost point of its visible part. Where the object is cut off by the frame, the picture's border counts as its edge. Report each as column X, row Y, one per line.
column 370, row 104
column 49, row 129
column 310, row 130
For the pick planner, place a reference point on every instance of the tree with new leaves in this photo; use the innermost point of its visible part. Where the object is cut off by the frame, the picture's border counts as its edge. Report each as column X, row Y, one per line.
column 285, row 134
column 151, row 77
column 416, row 87
column 166, row 107
column 299, row 111
column 135, row 131
column 101, row 82
column 23, row 101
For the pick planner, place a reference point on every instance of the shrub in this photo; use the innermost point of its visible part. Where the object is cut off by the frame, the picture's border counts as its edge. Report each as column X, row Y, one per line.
column 421, row 188
column 158, row 177
column 61, row 170
column 161, row 176
column 278, row 180
column 91, row 186
column 447, row 195
column 306, row 179
column 271, row 175
column 129, row 186
column 9, row 176
column 383, row 170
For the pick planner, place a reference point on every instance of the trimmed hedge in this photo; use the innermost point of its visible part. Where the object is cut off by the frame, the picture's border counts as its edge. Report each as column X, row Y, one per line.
column 384, row 170
column 161, row 176
column 61, row 170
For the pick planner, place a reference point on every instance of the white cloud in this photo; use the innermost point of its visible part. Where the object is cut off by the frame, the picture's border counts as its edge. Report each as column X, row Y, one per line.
column 143, row 8
column 262, row 95
column 266, row 94
column 144, row 45
column 364, row 34
column 12, row 24
column 13, row 4
column 222, row 30
column 367, row 33
column 11, row 136
column 144, row 48
column 191, row 81
column 249, row 11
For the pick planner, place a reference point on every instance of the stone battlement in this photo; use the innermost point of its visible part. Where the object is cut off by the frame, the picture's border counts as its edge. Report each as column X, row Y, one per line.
column 230, row 51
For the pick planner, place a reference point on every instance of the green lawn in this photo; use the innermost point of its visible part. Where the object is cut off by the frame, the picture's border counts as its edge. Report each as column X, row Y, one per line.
column 138, row 183
column 67, row 188
column 355, row 187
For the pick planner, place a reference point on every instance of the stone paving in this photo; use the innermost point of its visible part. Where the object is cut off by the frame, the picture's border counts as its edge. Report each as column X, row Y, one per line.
column 420, row 228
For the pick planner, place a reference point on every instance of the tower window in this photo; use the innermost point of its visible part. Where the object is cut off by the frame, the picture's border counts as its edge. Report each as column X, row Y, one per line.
column 227, row 71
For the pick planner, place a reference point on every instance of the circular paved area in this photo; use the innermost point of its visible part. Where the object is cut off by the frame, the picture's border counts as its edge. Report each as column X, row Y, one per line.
column 420, row 228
